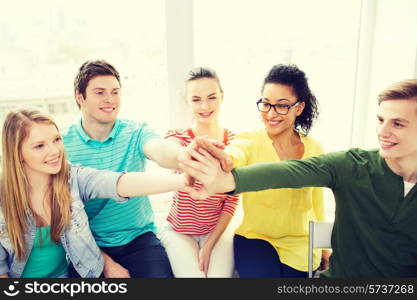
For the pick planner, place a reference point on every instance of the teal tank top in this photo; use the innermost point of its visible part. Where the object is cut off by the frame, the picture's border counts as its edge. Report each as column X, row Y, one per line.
column 47, row 258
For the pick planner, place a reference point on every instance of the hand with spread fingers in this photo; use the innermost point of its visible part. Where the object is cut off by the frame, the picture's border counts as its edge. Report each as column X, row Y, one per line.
column 215, row 148
column 202, row 166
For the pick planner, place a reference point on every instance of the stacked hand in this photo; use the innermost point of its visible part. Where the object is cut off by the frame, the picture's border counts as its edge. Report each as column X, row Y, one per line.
column 206, row 162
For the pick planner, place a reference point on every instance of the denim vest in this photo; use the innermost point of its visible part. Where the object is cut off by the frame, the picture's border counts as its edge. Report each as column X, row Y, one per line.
column 77, row 240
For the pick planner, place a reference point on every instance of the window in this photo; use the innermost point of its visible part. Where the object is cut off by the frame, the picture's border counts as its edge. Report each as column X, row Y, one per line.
column 350, row 50
column 245, row 39
column 43, row 49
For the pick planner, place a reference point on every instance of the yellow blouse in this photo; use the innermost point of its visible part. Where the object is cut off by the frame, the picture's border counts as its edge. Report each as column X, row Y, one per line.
column 278, row 216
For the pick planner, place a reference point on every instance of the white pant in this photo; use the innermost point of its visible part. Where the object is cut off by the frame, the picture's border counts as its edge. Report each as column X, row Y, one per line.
column 183, row 249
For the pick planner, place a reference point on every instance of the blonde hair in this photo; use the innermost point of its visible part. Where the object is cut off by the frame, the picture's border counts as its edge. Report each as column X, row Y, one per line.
column 14, row 188
column 402, row 90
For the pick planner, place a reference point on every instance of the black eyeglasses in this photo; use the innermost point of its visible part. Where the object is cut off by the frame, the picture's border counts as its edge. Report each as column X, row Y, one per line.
column 281, row 109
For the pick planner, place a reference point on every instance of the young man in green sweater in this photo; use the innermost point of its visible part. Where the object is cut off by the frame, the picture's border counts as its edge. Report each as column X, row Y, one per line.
column 375, row 229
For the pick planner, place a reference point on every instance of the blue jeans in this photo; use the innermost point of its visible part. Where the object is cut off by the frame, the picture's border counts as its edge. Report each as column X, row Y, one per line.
column 143, row 257
column 255, row 258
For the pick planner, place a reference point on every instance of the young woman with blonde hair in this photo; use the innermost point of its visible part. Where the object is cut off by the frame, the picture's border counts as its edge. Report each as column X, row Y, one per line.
column 42, row 217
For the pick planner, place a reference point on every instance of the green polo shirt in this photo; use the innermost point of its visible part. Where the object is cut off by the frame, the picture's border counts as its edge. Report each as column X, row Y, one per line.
column 375, row 229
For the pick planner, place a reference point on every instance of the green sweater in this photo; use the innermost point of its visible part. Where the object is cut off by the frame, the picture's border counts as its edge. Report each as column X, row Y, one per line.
column 375, row 229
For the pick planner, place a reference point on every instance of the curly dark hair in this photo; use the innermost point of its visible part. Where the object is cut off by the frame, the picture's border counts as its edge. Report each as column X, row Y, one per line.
column 292, row 76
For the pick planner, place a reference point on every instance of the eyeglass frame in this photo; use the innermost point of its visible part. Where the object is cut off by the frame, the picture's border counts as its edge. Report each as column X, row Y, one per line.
column 289, row 106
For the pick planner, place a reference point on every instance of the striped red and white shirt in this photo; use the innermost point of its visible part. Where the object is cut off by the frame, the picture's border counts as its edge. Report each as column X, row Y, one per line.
column 198, row 217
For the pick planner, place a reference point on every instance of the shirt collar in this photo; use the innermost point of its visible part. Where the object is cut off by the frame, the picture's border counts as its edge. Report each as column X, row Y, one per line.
column 86, row 138
column 114, row 131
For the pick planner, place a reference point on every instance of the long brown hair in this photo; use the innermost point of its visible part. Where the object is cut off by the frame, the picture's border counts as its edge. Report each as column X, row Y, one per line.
column 14, row 188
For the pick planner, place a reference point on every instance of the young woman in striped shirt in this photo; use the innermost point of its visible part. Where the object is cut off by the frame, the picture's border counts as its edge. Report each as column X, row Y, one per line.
column 193, row 236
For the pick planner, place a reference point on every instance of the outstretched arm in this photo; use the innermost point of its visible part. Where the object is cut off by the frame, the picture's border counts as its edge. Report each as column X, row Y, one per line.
column 165, row 152
column 93, row 183
column 168, row 153
column 314, row 172
column 143, row 183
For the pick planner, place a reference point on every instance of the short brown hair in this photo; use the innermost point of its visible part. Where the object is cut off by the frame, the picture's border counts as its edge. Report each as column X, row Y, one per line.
column 91, row 69
column 402, row 90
